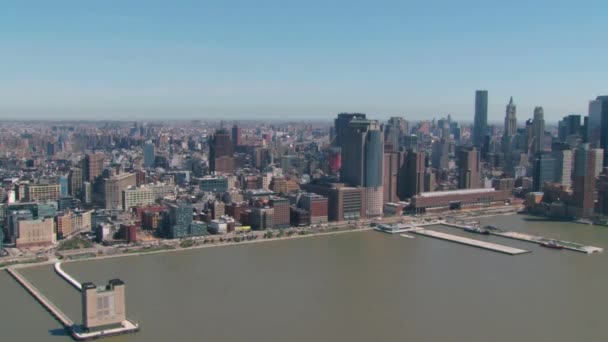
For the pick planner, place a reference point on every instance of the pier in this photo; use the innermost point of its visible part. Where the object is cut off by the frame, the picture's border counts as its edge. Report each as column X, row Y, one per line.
column 539, row 239
column 470, row 242
column 46, row 303
column 76, row 330
column 573, row 246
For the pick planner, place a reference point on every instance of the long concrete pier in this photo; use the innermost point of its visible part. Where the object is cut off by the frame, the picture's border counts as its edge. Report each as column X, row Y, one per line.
column 58, row 314
column 573, row 246
column 75, row 330
column 470, row 242
column 539, row 239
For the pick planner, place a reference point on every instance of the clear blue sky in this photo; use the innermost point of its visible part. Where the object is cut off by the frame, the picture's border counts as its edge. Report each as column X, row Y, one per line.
column 301, row 59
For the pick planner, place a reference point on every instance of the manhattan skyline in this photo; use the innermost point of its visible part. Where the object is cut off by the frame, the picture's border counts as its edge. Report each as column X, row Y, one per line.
column 148, row 60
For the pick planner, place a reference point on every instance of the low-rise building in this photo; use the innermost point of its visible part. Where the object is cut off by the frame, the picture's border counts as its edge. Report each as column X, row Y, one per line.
column 458, row 199
column 36, row 233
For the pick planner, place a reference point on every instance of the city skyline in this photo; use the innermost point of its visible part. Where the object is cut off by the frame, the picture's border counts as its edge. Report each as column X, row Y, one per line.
column 76, row 61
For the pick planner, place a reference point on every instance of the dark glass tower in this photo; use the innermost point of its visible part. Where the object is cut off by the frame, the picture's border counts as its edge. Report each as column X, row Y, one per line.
column 340, row 123
column 480, row 125
column 362, row 143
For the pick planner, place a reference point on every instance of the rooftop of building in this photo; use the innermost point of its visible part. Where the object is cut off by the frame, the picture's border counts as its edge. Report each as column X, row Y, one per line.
column 456, row 192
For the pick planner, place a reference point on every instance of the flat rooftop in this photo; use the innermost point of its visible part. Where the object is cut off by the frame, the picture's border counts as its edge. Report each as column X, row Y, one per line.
column 456, row 192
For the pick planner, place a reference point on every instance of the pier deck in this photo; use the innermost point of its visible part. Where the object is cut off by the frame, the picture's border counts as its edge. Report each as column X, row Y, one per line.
column 75, row 330
column 58, row 314
column 539, row 239
column 573, row 246
column 470, row 242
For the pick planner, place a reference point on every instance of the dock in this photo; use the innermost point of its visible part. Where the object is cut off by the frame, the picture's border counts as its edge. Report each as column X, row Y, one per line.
column 573, row 246
column 76, row 330
column 46, row 303
column 470, row 242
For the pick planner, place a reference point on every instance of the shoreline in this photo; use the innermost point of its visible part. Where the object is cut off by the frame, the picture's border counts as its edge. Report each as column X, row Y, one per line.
column 460, row 215
column 180, row 249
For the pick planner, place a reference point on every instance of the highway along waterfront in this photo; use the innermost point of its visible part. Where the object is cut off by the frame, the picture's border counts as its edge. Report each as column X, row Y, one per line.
column 359, row 286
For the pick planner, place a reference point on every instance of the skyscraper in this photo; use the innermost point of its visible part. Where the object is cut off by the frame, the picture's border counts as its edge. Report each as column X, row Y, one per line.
column 545, row 170
column 570, row 125
column 237, row 136
column 563, row 160
column 93, row 165
column 392, row 165
column 221, row 152
column 597, row 126
column 467, row 159
column 511, row 119
column 480, row 125
column 149, row 154
column 510, row 126
column 395, row 129
column 440, row 155
column 411, row 179
column 362, row 143
column 538, row 130
column 340, row 123
column 584, row 179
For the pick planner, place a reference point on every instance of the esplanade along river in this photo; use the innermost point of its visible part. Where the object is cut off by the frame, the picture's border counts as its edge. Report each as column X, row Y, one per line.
column 360, row 286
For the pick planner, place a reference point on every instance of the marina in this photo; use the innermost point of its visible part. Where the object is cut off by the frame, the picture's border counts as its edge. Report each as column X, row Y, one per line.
column 470, row 242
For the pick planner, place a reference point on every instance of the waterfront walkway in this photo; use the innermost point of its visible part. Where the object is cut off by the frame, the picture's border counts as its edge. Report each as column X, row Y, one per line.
column 470, row 242
column 63, row 318
column 67, row 277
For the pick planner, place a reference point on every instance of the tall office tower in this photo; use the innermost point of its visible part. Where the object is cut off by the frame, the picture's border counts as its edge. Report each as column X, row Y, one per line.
column 584, row 179
column 114, row 186
column 411, row 178
column 510, row 126
column 511, row 118
column 149, row 154
column 221, row 152
column 410, row 142
column 92, row 166
column 393, row 162
column 597, row 126
column 340, row 123
column 599, row 161
column 528, row 137
column 362, row 143
column 480, row 125
column 602, row 193
column 237, row 136
column 429, row 180
column 467, row 160
column 440, row 157
column 563, row 161
column 75, row 185
column 545, row 168
column 394, row 130
column 570, row 125
column 538, row 130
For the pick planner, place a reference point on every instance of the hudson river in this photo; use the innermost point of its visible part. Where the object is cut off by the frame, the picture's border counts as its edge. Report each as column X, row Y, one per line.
column 360, row 286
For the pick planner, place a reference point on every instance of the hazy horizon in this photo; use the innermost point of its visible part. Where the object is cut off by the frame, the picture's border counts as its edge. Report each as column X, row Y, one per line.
column 149, row 60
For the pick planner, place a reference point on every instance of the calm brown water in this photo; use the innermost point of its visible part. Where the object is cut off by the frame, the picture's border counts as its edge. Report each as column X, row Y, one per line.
column 351, row 287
